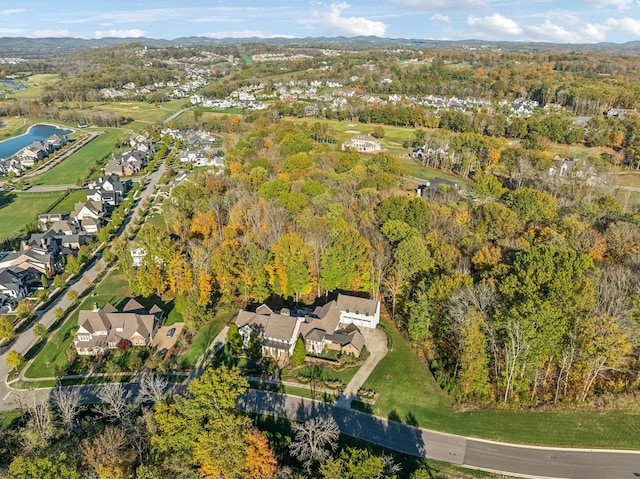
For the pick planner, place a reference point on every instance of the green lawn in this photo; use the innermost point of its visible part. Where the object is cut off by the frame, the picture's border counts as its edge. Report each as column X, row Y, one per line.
column 19, row 209
column 408, row 391
column 204, row 338
column 77, row 165
column 35, row 84
column 67, row 204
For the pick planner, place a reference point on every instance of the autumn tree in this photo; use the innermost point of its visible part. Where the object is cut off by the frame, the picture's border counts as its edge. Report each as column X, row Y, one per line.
column 289, row 271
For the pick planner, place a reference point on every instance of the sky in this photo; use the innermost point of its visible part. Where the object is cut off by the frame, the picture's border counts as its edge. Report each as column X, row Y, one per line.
column 568, row 21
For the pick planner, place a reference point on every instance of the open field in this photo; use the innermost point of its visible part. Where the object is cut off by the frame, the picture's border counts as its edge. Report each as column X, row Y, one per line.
column 19, row 209
column 35, row 84
column 14, row 126
column 409, row 393
column 67, row 204
column 76, row 166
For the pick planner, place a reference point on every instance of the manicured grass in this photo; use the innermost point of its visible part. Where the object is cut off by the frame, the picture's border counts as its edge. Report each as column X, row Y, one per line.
column 19, row 209
column 204, row 338
column 76, row 166
column 67, row 204
column 35, row 84
column 408, row 391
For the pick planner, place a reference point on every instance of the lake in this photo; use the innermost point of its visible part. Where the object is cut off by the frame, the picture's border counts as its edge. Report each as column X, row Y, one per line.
column 8, row 148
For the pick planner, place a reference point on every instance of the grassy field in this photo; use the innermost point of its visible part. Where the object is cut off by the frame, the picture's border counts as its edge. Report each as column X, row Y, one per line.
column 76, row 166
column 409, row 392
column 35, row 84
column 19, row 209
column 67, row 204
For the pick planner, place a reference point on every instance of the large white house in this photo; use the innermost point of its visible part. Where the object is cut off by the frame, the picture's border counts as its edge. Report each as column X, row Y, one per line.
column 333, row 326
column 362, row 143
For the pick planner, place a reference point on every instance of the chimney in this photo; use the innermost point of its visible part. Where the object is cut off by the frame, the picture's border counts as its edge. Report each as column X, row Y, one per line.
column 95, row 307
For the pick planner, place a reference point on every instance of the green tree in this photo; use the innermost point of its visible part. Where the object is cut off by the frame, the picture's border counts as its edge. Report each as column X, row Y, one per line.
column 345, row 263
column 25, row 309
column 6, row 327
column 27, row 467
column 289, row 271
column 533, row 205
column 473, row 377
column 39, row 330
column 234, row 338
column 203, row 428
column 73, row 296
column 14, row 359
column 353, row 463
column 299, row 352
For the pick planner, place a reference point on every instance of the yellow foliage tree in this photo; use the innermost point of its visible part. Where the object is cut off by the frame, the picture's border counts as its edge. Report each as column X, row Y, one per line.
column 260, row 462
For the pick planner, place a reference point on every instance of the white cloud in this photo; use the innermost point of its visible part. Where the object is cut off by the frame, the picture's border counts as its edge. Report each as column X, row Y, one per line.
column 53, row 34
column 244, row 34
column 579, row 33
column 627, row 25
column 333, row 20
column 495, row 24
column 11, row 31
column 442, row 5
column 438, row 17
column 610, row 3
column 12, row 11
column 119, row 33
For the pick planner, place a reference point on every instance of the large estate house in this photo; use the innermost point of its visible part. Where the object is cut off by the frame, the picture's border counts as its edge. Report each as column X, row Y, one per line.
column 362, row 143
column 333, row 326
column 102, row 329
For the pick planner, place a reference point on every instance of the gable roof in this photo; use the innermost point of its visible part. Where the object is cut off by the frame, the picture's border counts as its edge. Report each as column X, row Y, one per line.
column 281, row 327
column 356, row 305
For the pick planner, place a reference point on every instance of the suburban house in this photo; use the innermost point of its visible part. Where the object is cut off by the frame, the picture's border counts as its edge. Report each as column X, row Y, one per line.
column 30, row 263
column 333, row 326
column 201, row 158
column 127, row 164
column 362, row 143
column 107, row 189
column 102, row 329
column 12, row 289
column 89, row 214
column 55, row 142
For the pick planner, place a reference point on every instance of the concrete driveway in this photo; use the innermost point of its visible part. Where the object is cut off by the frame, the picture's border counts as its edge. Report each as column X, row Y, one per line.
column 161, row 341
column 376, row 342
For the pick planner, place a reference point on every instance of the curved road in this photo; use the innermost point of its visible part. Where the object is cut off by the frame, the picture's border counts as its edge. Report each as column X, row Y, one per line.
column 527, row 461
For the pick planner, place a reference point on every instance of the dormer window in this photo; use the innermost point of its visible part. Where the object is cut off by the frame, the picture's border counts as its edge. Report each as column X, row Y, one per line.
column 119, row 330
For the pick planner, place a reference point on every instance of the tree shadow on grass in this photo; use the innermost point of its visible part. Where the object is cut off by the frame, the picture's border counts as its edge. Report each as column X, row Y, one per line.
column 6, row 198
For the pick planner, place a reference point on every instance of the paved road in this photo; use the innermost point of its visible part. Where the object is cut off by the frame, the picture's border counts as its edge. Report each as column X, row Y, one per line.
column 526, row 461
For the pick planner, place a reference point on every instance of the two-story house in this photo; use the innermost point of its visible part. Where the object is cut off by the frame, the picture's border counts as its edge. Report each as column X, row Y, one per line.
column 102, row 329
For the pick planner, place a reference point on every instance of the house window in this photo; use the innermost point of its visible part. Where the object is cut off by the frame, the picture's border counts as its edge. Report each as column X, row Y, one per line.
column 84, row 337
column 119, row 330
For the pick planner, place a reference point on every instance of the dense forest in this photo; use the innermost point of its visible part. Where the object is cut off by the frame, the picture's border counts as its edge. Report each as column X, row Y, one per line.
column 523, row 290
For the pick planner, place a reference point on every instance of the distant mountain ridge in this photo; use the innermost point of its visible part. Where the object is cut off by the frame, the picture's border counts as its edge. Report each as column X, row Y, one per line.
column 44, row 47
